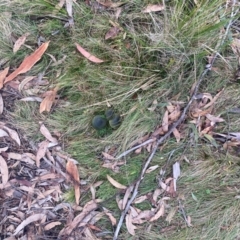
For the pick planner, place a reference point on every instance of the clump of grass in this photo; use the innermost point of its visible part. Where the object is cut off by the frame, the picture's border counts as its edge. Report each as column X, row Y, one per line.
column 157, row 56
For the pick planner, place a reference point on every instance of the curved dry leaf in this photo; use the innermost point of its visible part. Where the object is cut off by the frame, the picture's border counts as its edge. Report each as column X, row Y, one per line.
column 47, row 102
column 87, row 209
column 69, row 4
column 51, row 225
column 130, row 227
column 4, row 149
column 31, row 99
column 19, row 42
column 111, row 217
column 13, row 134
column 24, row 82
column 177, row 135
column 126, row 196
column 140, row 199
column 4, row 170
column 15, row 156
column 28, row 62
column 115, row 183
column 159, row 213
column 73, row 171
column 152, row 168
column 108, row 156
column 41, row 151
column 1, row 104
column 33, row 218
column 165, row 122
column 88, row 55
column 214, row 119
column 153, row 8
column 3, row 75
column 3, row 133
column 45, row 132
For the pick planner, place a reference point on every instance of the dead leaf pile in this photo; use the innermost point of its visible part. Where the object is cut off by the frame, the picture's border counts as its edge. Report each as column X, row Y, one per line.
column 201, row 111
column 157, row 199
column 171, row 115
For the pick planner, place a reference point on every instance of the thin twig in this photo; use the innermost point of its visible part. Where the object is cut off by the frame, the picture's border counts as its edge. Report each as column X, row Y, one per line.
column 182, row 211
column 163, row 138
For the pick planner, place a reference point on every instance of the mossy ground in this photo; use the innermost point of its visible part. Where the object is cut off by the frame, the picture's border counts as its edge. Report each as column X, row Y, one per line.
column 156, row 56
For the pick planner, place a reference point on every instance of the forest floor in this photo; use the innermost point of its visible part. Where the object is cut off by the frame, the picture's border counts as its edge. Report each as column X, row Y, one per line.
column 119, row 119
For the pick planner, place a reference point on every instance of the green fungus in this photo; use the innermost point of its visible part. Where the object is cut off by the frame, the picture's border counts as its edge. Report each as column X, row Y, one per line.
column 99, row 122
column 115, row 121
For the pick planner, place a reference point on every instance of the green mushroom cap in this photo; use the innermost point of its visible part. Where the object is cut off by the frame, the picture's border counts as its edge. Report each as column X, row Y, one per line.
column 99, row 122
column 115, row 121
column 109, row 113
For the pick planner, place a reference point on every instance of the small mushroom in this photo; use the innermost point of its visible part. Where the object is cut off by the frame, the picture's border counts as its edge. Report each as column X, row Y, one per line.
column 99, row 122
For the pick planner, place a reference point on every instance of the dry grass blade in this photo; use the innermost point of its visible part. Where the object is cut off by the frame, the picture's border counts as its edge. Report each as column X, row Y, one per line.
column 28, row 62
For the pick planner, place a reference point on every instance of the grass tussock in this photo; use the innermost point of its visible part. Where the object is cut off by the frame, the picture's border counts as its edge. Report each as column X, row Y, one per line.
column 156, row 56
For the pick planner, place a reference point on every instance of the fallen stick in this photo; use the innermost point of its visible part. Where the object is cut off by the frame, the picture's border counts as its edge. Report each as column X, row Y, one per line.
column 170, row 131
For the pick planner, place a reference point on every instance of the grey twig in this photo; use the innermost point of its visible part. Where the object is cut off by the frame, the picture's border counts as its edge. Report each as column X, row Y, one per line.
column 163, row 138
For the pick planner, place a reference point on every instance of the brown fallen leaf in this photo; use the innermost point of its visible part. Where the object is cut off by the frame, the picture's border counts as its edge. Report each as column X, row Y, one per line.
column 115, row 183
column 28, row 62
column 214, row 119
column 1, row 104
column 159, row 213
column 69, row 4
column 130, row 227
column 13, row 134
column 4, row 170
column 143, row 216
column 177, row 135
column 165, row 122
column 108, row 156
column 126, row 196
column 140, row 199
column 41, row 152
column 88, row 55
column 33, row 218
column 51, row 225
column 152, row 168
column 20, row 41
column 88, row 208
column 3, row 75
column 153, row 8
column 45, row 132
column 47, row 102
column 74, row 173
column 174, row 115
column 112, row 33
column 111, row 217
